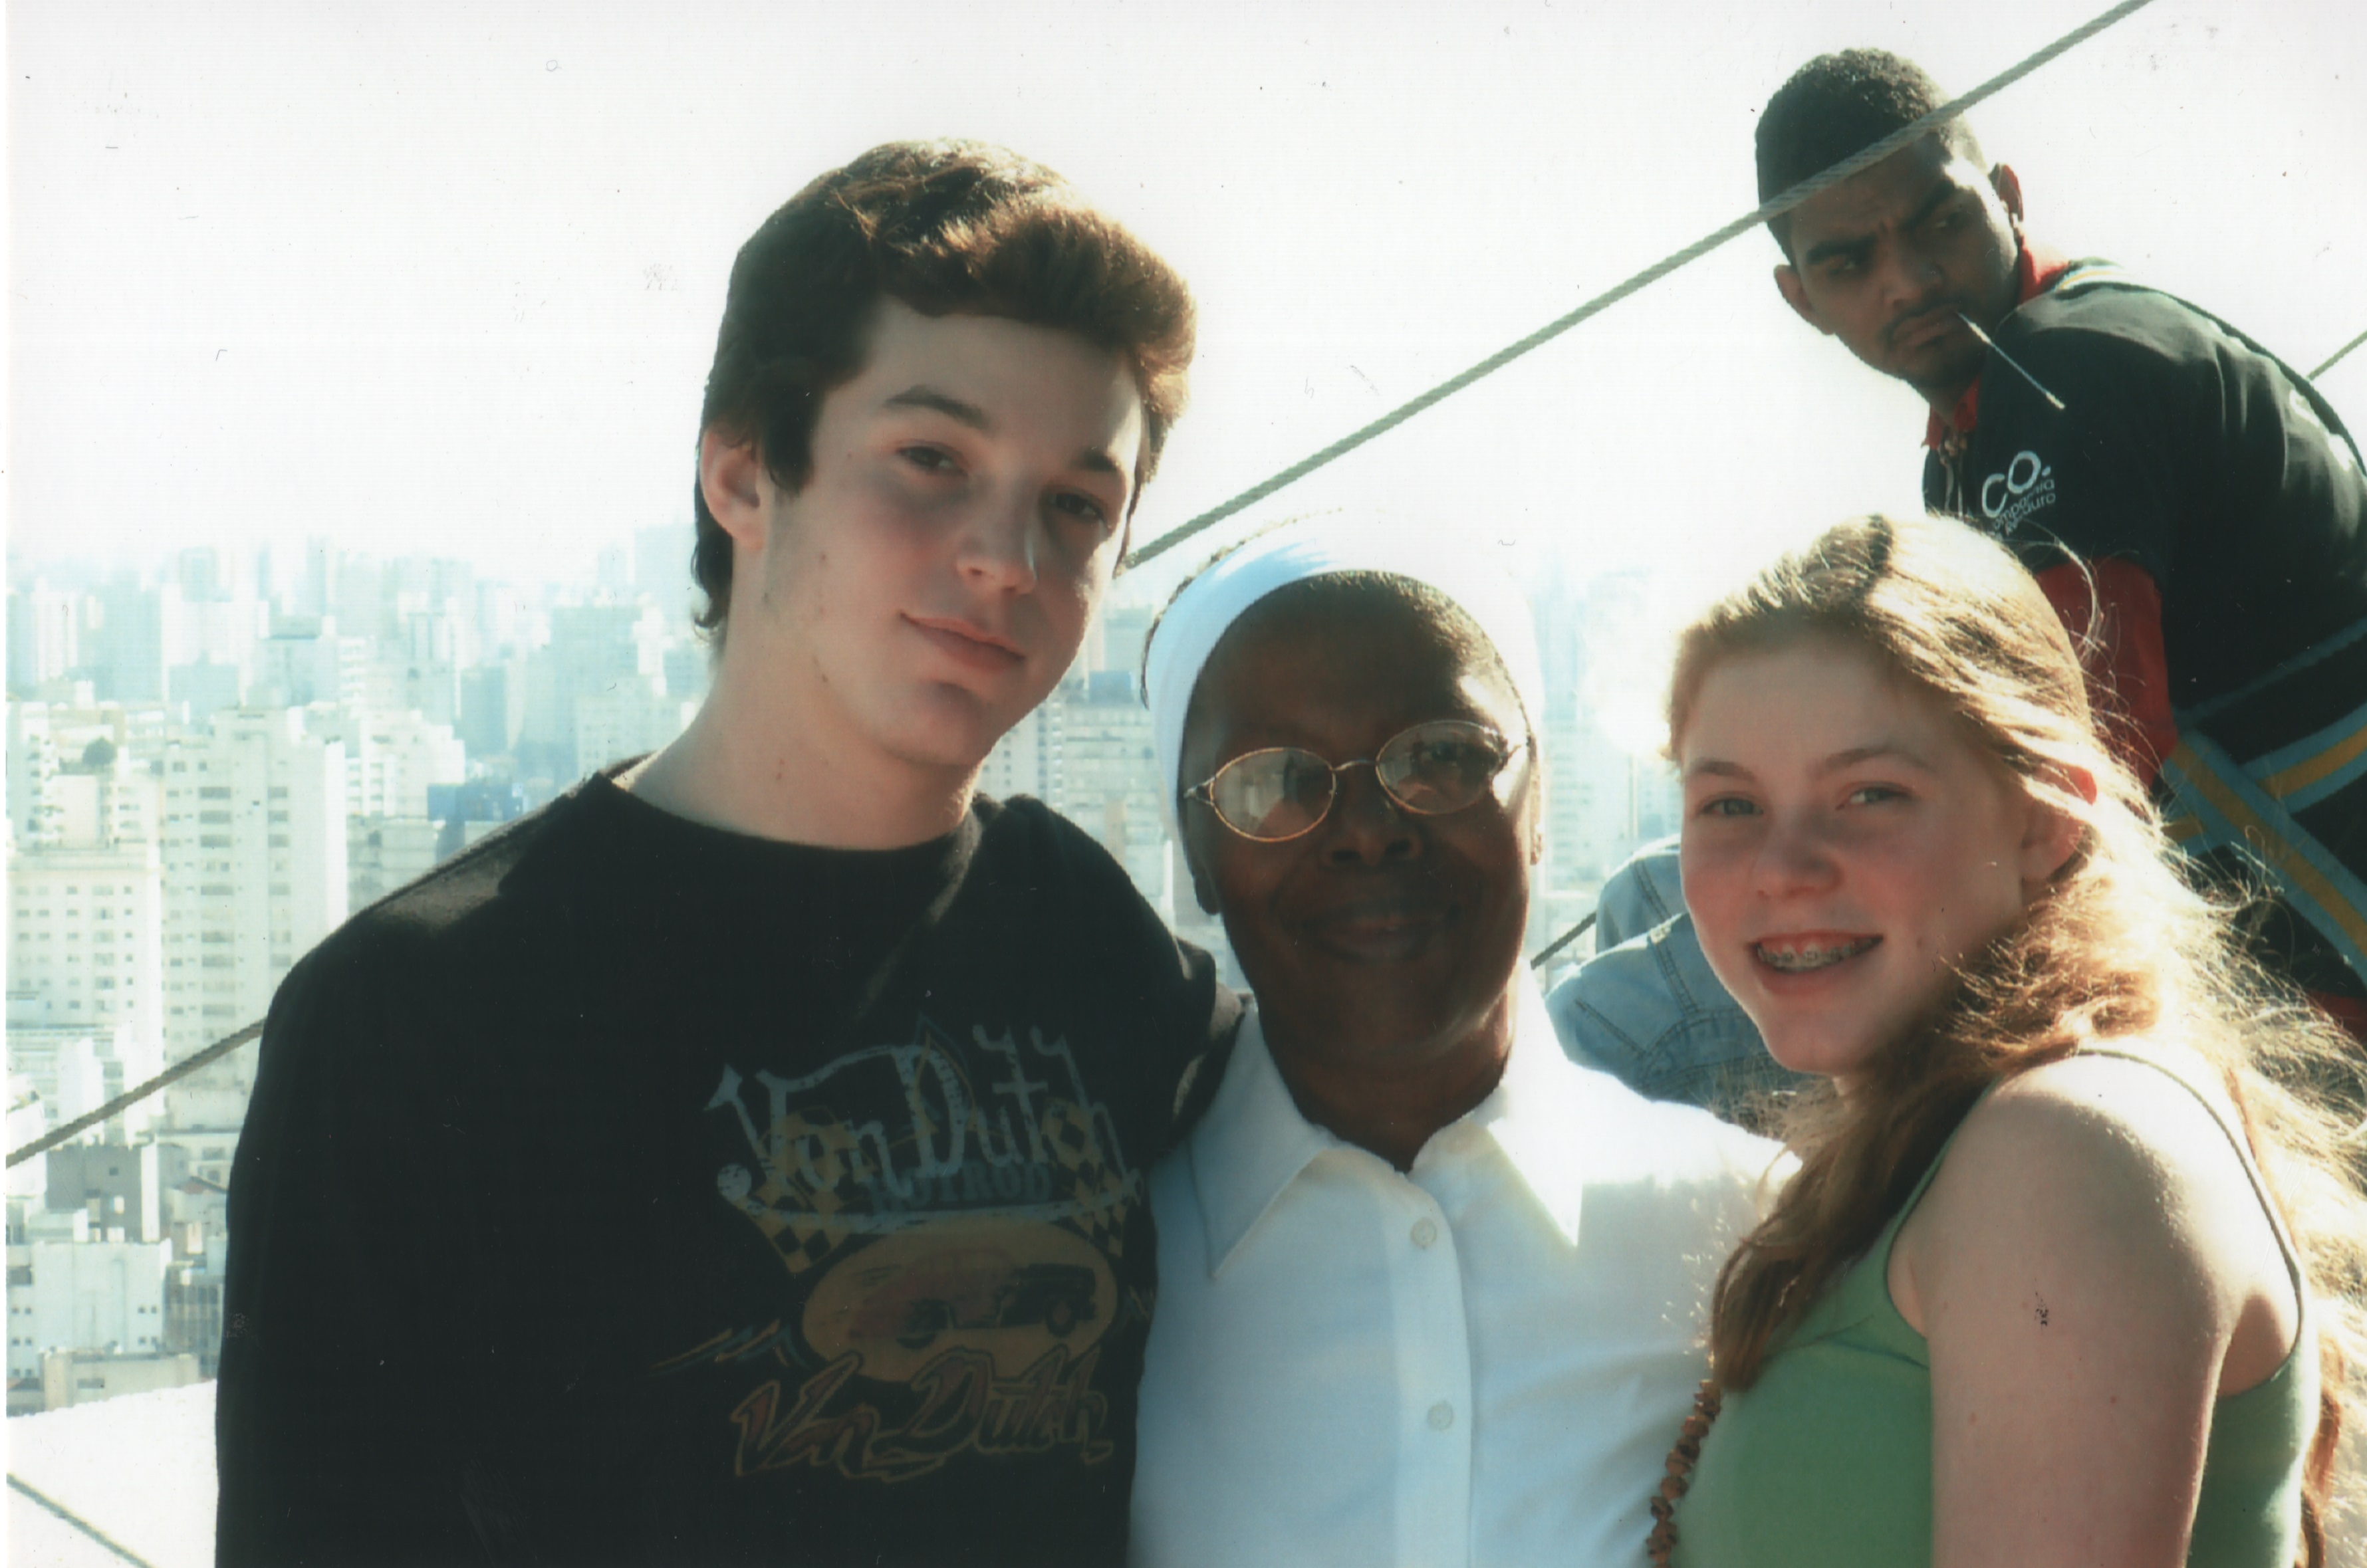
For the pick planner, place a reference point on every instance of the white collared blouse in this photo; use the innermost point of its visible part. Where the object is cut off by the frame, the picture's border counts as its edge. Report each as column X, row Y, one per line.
column 1482, row 1360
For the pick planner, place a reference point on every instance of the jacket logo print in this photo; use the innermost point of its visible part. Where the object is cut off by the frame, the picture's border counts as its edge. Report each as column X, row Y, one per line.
column 2024, row 488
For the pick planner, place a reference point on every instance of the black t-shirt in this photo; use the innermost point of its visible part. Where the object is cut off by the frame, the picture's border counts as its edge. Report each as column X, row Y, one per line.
column 2187, row 449
column 629, row 1190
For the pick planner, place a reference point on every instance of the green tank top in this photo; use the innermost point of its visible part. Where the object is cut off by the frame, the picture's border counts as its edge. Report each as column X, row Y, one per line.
column 1826, row 1462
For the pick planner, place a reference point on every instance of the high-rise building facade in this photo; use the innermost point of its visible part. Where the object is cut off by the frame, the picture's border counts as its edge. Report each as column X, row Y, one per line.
column 253, row 863
column 1109, row 782
column 87, row 934
column 631, row 714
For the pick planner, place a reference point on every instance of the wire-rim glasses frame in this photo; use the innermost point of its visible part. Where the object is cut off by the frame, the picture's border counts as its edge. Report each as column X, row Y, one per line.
column 1416, row 769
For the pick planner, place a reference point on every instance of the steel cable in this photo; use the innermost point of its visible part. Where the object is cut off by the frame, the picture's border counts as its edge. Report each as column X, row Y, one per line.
column 2338, row 357
column 1851, row 165
column 1855, row 164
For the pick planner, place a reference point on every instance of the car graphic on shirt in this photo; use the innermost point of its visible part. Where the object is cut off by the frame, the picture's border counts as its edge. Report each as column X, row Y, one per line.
column 1055, row 1295
column 974, row 1288
column 1015, row 1291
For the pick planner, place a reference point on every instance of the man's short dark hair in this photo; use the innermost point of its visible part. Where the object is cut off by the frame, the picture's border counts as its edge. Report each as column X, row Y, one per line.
column 947, row 228
column 1840, row 104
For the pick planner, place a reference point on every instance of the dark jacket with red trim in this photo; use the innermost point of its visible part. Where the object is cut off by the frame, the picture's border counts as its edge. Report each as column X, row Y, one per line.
column 2220, row 506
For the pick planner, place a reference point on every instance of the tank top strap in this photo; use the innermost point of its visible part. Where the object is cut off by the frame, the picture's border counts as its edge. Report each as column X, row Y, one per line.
column 2244, row 1157
column 1881, row 1249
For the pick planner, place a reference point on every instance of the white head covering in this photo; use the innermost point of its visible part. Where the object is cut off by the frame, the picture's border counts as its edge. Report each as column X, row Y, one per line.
column 1208, row 605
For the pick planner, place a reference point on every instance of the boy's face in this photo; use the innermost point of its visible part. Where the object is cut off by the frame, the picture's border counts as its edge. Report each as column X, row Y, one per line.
column 930, row 581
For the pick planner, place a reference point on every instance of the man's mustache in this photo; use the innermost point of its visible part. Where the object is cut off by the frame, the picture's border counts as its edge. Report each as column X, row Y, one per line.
column 1920, row 314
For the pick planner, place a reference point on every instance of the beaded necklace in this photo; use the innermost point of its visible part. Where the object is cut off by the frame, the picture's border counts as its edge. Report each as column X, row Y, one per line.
column 1682, row 1457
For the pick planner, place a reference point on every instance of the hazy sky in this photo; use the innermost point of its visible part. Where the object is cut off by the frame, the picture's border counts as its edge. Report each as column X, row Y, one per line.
column 445, row 276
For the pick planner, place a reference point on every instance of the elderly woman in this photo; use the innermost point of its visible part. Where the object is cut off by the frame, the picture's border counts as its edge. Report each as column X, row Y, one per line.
column 1429, row 1292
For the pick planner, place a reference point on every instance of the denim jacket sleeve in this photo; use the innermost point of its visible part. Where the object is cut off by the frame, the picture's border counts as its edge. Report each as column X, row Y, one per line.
column 1647, row 1009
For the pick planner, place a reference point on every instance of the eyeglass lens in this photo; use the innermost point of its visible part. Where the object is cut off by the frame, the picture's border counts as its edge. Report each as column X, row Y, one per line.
column 1430, row 770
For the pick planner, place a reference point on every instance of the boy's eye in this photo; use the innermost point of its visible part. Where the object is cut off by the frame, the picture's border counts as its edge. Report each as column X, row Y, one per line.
column 1728, row 806
column 1875, row 795
column 1082, row 506
column 934, row 459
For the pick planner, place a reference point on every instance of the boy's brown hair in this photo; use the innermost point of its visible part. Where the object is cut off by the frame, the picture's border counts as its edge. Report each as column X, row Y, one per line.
column 947, row 227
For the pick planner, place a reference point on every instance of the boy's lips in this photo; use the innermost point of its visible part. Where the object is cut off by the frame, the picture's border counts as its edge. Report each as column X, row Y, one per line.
column 969, row 644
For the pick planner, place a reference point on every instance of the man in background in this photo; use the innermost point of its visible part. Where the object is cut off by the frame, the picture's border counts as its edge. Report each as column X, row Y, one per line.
column 2193, row 508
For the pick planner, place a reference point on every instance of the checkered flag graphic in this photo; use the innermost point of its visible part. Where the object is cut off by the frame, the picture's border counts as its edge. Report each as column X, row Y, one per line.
column 795, row 1213
column 1103, row 1195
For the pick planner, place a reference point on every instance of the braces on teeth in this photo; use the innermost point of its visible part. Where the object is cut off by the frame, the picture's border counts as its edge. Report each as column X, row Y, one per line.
column 1793, row 961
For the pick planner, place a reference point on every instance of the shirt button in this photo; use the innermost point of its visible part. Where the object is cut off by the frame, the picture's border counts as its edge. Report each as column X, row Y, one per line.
column 1424, row 1231
column 1442, row 1416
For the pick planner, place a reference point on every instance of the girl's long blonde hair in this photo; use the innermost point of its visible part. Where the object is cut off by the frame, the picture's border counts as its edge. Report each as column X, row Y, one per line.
column 2119, row 947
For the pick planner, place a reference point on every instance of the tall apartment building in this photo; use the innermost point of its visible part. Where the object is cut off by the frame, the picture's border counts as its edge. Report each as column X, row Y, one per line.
column 662, row 572
column 86, row 911
column 493, row 706
column 194, row 1148
column 23, row 1122
column 1109, row 784
column 383, row 853
column 32, row 762
column 73, row 1071
column 139, row 632
column 254, row 867
column 105, row 796
column 75, row 1285
column 593, row 647
column 211, row 662
column 121, row 1186
column 308, row 661
column 392, row 759
column 59, row 1067
column 418, row 663
column 1027, row 761
column 629, row 716
column 86, row 934
column 44, row 636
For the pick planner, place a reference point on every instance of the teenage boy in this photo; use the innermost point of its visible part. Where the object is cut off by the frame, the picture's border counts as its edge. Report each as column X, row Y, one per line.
column 739, row 1159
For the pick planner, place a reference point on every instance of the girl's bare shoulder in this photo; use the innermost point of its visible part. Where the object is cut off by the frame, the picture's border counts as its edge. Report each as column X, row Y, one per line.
column 2115, row 1178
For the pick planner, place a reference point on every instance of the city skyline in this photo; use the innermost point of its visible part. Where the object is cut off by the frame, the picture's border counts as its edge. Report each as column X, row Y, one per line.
column 208, row 767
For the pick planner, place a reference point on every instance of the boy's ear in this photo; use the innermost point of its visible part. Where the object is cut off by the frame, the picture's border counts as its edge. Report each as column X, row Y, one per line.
column 733, row 479
column 1796, row 294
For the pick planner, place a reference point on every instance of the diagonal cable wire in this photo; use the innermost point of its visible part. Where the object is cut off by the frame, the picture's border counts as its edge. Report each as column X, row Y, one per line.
column 2338, row 356
column 1571, row 935
column 1855, row 164
column 131, row 1097
column 78, row 1522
